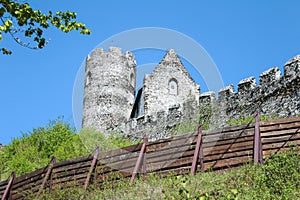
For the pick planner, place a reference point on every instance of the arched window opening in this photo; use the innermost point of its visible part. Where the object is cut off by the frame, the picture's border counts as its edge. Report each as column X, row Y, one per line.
column 173, row 86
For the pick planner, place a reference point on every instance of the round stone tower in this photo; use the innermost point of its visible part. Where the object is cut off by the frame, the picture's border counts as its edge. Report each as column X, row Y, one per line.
column 110, row 79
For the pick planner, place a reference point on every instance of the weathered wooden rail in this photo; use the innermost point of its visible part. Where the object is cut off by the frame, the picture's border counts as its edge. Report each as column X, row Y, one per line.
column 218, row 149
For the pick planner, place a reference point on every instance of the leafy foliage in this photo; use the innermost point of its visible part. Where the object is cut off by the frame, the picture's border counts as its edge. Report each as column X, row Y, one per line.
column 92, row 138
column 184, row 127
column 204, row 119
column 246, row 120
column 35, row 149
column 20, row 20
column 205, row 116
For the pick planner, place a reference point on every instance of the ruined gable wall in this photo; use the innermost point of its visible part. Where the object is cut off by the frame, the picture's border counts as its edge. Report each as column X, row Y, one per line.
column 157, row 96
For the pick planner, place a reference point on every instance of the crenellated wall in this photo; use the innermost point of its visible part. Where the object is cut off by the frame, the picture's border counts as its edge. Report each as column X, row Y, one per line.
column 170, row 96
column 159, row 125
column 275, row 96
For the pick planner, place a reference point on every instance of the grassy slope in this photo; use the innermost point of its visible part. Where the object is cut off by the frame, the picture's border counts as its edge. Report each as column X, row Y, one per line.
column 278, row 179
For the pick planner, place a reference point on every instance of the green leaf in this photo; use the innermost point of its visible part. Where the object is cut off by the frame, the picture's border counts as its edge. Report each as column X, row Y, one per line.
column 2, row 11
column 5, row 51
column 234, row 191
column 34, row 22
column 8, row 23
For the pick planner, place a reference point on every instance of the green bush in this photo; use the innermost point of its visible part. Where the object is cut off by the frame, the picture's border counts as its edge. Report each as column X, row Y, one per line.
column 246, row 120
column 35, row 149
column 92, row 138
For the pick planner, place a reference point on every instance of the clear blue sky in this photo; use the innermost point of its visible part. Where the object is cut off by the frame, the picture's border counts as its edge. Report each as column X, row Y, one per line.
column 244, row 38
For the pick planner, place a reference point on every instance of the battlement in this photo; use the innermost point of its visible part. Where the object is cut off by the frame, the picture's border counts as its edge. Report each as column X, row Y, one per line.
column 246, row 85
column 170, row 96
column 112, row 51
column 275, row 95
column 292, row 68
column 96, row 52
column 207, row 98
column 270, row 77
column 115, row 50
column 226, row 92
column 269, row 80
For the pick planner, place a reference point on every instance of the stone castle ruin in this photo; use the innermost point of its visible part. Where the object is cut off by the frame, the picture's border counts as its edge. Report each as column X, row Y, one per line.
column 169, row 95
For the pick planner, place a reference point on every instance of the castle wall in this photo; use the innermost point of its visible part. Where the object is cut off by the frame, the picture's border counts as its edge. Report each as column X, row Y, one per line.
column 109, row 88
column 168, row 85
column 170, row 96
column 158, row 125
column 276, row 96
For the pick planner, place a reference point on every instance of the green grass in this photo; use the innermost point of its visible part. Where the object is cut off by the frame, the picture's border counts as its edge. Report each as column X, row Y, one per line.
column 278, row 179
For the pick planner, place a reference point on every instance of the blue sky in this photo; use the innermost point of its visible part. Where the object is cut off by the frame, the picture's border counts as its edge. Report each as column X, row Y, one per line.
column 244, row 38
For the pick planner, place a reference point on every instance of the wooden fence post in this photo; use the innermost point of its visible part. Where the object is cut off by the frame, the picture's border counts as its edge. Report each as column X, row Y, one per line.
column 258, row 152
column 198, row 153
column 8, row 190
column 51, row 175
column 92, row 168
column 49, row 171
column 141, row 159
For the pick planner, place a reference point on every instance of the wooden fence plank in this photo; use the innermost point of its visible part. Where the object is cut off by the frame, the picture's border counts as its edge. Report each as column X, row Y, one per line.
column 3, row 185
column 281, row 132
column 69, row 178
column 121, row 151
column 71, row 173
column 228, row 148
column 115, row 159
column 281, row 138
column 229, row 141
column 72, row 167
column 31, row 175
column 279, row 145
column 73, row 161
column 227, row 163
column 279, row 121
column 278, row 127
column 28, row 181
column 229, row 136
column 171, row 144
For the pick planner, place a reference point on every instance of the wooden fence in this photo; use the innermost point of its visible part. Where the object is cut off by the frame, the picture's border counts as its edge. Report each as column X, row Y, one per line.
column 218, row 149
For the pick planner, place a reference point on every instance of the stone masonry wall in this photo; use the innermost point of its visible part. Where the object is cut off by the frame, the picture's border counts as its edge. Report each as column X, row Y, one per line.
column 109, row 88
column 162, row 108
column 276, row 96
column 158, row 125
column 157, row 92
